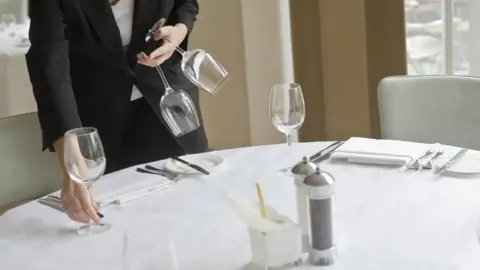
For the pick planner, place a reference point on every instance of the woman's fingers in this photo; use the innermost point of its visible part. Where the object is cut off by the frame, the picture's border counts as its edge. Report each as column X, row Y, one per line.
column 84, row 198
column 78, row 204
column 157, row 57
column 74, row 209
column 163, row 32
column 166, row 48
column 89, row 210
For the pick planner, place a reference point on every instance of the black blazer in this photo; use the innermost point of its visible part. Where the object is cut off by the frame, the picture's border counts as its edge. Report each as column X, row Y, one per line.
column 81, row 75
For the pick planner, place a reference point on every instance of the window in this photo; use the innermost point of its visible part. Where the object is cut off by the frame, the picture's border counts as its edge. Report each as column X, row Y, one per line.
column 14, row 8
column 439, row 38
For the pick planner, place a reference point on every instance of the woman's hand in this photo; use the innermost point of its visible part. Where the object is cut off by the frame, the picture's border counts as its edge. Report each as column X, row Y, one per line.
column 172, row 36
column 77, row 204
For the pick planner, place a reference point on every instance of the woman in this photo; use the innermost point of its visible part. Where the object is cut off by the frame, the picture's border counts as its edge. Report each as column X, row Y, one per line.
column 89, row 65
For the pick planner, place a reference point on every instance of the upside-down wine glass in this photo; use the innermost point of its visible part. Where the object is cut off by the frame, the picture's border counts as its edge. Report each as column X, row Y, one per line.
column 287, row 110
column 85, row 162
column 198, row 66
column 178, row 109
column 203, row 70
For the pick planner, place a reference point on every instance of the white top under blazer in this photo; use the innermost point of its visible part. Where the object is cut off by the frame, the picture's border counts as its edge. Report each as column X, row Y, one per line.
column 123, row 13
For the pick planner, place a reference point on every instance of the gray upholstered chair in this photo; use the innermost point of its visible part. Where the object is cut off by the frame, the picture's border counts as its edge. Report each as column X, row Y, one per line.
column 26, row 172
column 430, row 109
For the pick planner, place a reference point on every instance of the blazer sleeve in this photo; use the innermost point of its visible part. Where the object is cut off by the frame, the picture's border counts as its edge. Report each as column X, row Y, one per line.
column 49, row 69
column 185, row 11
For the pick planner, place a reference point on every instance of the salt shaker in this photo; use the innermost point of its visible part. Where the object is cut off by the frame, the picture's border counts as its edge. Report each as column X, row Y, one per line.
column 300, row 171
column 320, row 189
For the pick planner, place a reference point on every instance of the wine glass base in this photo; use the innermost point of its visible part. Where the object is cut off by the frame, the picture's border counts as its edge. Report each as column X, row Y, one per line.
column 287, row 172
column 91, row 229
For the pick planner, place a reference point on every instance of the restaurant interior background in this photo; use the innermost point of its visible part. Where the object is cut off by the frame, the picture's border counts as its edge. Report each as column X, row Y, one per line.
column 338, row 50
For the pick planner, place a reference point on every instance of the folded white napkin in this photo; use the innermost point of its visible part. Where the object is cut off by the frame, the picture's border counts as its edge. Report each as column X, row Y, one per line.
column 383, row 152
column 126, row 194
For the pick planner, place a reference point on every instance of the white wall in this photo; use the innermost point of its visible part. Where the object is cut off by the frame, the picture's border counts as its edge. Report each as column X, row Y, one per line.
column 252, row 39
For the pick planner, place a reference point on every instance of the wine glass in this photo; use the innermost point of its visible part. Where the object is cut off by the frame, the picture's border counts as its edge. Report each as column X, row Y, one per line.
column 197, row 65
column 85, row 163
column 8, row 22
column 178, row 109
column 287, row 110
column 203, row 70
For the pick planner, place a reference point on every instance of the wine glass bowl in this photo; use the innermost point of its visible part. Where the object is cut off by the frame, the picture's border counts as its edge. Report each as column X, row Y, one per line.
column 203, row 70
column 179, row 112
column 178, row 109
column 85, row 163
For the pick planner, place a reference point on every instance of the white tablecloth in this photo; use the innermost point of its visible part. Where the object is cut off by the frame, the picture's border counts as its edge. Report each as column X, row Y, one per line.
column 16, row 96
column 384, row 219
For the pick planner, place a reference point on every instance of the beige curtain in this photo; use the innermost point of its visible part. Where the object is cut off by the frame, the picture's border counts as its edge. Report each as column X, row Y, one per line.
column 341, row 50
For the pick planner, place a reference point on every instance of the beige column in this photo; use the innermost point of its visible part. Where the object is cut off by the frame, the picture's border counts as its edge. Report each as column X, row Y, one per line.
column 252, row 39
column 219, row 30
column 474, row 38
column 342, row 49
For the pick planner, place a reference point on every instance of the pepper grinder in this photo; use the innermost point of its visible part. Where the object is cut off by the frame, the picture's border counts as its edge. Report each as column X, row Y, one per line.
column 300, row 171
column 320, row 188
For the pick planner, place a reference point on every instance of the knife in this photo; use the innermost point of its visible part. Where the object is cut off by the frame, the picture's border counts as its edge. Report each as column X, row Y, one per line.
column 451, row 161
column 193, row 166
column 327, row 153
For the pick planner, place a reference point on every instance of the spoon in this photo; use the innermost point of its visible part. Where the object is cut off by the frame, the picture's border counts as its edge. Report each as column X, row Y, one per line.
column 427, row 164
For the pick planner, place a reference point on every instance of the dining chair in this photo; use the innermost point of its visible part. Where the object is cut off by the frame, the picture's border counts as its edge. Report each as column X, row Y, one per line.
column 431, row 109
column 26, row 172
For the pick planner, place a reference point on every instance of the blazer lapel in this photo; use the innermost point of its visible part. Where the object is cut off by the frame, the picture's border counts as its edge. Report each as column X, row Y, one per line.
column 100, row 16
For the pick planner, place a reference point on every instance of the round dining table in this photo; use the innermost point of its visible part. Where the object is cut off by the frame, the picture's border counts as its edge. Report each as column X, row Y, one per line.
column 383, row 219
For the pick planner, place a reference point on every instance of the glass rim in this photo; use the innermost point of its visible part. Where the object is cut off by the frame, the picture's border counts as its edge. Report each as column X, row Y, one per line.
column 82, row 131
column 290, row 85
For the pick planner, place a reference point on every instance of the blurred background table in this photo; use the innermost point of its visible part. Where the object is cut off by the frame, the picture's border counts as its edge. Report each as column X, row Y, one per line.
column 16, row 96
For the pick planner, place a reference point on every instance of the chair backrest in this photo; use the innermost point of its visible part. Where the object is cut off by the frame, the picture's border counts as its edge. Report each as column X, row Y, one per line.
column 25, row 171
column 430, row 109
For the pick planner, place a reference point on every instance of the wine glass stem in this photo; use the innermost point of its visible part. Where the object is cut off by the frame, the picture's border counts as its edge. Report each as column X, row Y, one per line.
column 177, row 48
column 289, row 144
column 180, row 50
column 164, row 79
column 89, row 193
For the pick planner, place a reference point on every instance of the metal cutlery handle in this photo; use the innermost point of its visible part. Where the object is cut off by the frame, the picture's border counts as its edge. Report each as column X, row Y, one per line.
column 142, row 170
column 52, row 204
column 451, row 161
column 326, row 154
column 320, row 153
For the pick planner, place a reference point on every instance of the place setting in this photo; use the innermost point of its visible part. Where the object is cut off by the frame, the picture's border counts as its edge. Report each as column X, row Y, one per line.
column 408, row 156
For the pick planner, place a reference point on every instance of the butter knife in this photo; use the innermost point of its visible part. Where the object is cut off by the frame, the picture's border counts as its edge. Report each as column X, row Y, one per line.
column 452, row 161
column 193, row 166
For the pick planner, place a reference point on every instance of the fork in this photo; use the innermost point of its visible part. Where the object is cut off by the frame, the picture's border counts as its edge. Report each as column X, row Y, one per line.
column 415, row 164
column 427, row 164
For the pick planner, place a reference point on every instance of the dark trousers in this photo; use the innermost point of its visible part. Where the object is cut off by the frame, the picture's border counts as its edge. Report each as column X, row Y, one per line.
column 145, row 139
